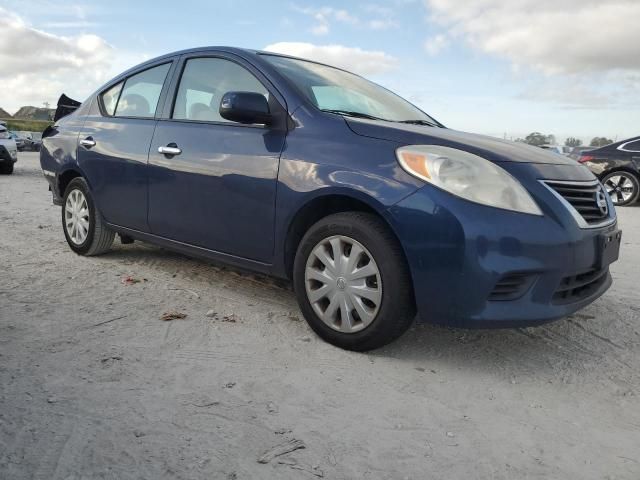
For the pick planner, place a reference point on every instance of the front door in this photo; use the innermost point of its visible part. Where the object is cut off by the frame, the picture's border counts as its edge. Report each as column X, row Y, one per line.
column 216, row 189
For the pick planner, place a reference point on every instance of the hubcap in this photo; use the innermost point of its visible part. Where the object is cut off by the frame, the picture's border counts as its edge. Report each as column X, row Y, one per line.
column 343, row 284
column 76, row 217
column 620, row 188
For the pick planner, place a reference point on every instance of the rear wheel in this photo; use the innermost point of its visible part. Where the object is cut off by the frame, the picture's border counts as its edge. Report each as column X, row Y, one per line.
column 622, row 186
column 352, row 282
column 84, row 228
column 6, row 168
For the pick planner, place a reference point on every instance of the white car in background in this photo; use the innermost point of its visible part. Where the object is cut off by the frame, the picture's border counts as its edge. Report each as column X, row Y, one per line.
column 8, row 151
column 559, row 149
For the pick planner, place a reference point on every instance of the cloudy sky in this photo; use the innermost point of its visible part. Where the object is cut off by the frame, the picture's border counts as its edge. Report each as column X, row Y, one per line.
column 567, row 67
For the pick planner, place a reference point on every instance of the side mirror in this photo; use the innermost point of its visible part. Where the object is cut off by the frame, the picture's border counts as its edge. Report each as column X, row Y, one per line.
column 245, row 107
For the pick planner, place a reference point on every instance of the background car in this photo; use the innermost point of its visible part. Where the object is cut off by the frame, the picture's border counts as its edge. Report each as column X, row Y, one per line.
column 8, row 151
column 18, row 139
column 577, row 151
column 31, row 141
column 559, row 149
column 617, row 165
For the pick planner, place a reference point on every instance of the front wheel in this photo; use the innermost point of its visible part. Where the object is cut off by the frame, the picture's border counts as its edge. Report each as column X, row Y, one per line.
column 85, row 230
column 352, row 282
column 623, row 187
column 6, row 168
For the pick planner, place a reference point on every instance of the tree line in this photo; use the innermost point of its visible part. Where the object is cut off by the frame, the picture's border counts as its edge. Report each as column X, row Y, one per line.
column 538, row 139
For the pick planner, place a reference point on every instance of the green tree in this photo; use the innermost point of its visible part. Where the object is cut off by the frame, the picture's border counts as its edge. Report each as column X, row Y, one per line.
column 536, row 138
column 600, row 141
column 573, row 142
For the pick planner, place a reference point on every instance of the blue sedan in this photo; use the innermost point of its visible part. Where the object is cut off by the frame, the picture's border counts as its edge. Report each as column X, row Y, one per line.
column 296, row 169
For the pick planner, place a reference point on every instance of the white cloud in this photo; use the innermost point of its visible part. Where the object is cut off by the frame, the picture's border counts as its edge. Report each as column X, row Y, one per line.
column 584, row 92
column 385, row 24
column 344, row 16
column 38, row 66
column 24, row 49
column 572, row 97
column 554, row 36
column 323, row 17
column 376, row 9
column 70, row 24
column 435, row 44
column 379, row 17
column 365, row 62
column 320, row 29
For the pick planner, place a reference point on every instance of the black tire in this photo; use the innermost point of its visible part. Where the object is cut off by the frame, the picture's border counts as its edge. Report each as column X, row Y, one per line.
column 631, row 181
column 6, row 168
column 99, row 236
column 397, row 308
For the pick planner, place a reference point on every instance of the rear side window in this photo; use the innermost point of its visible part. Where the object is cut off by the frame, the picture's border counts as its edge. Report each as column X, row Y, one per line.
column 110, row 98
column 204, row 82
column 140, row 93
column 633, row 146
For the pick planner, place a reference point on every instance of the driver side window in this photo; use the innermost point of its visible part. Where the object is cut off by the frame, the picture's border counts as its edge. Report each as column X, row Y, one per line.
column 203, row 83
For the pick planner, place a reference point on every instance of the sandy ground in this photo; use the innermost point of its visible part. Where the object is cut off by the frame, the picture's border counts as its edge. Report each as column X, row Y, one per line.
column 94, row 385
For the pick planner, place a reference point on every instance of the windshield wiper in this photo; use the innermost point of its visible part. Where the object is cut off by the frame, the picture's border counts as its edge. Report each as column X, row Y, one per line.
column 418, row 122
column 349, row 113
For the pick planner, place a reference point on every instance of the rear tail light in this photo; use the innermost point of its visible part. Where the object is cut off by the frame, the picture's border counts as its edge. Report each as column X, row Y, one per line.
column 585, row 158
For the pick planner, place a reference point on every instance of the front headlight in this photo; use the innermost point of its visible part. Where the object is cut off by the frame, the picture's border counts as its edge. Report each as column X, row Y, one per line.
column 466, row 175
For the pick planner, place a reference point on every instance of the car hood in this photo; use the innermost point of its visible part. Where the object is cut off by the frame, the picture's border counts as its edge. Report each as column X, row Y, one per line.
column 491, row 148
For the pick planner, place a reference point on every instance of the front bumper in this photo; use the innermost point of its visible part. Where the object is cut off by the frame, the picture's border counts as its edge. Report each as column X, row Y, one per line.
column 459, row 252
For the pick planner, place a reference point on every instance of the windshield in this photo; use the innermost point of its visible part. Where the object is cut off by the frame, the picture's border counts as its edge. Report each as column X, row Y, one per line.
column 335, row 90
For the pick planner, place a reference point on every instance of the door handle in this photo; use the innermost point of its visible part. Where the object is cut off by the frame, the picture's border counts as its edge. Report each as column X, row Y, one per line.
column 171, row 149
column 88, row 142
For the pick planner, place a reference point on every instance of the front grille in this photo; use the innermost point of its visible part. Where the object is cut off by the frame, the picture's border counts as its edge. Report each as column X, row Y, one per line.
column 511, row 286
column 577, row 287
column 587, row 198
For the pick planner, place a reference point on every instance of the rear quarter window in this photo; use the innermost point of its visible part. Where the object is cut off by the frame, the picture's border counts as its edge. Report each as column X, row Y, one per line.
column 110, row 98
column 632, row 146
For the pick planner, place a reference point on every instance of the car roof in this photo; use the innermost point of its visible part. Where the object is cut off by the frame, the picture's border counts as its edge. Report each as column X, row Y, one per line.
column 245, row 53
column 630, row 139
column 226, row 49
column 615, row 145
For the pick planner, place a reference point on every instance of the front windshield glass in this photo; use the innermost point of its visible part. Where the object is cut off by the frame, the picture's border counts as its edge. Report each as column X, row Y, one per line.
column 332, row 89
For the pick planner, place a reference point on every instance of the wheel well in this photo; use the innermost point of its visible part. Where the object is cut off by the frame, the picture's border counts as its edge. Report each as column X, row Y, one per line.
column 620, row 169
column 65, row 179
column 312, row 212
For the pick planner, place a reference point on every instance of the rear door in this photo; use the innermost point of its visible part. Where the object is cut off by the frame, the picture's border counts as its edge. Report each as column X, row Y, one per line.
column 633, row 149
column 219, row 191
column 114, row 144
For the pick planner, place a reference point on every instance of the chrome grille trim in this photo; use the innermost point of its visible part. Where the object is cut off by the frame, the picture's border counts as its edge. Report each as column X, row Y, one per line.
column 580, row 200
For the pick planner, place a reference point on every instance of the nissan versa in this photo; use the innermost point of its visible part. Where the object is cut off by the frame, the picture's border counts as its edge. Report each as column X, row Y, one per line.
column 293, row 168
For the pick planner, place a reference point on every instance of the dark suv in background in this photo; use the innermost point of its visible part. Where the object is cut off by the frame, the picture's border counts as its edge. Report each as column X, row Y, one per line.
column 8, row 151
column 617, row 165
